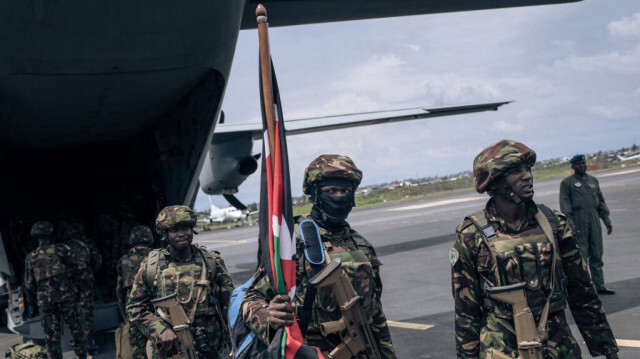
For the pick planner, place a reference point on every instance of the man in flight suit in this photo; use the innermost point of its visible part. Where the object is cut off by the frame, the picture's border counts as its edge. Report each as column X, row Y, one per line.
column 582, row 201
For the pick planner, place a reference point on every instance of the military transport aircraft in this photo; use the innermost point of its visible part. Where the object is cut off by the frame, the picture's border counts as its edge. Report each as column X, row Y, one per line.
column 229, row 160
column 108, row 107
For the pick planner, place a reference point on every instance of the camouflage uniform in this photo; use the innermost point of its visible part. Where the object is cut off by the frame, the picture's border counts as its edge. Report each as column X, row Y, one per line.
column 89, row 260
column 358, row 259
column 582, row 201
column 49, row 277
column 128, row 265
column 210, row 326
column 483, row 324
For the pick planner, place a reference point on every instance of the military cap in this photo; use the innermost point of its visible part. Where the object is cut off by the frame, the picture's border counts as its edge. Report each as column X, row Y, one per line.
column 171, row 216
column 330, row 166
column 497, row 159
column 42, row 228
column 576, row 158
column 140, row 234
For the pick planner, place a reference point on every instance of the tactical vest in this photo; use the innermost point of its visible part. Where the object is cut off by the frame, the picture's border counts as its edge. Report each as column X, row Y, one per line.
column 47, row 263
column 130, row 265
column 358, row 267
column 170, row 277
column 83, row 254
column 505, row 259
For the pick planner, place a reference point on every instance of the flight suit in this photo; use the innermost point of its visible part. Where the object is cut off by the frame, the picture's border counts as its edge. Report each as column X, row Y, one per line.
column 50, row 277
column 483, row 324
column 127, row 268
column 582, row 201
column 361, row 264
column 210, row 327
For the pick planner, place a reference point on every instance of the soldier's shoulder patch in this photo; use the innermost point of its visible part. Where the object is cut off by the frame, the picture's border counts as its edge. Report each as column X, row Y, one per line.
column 453, row 256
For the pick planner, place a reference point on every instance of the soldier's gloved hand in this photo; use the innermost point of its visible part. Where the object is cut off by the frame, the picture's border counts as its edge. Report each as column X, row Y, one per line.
column 612, row 356
column 168, row 344
column 280, row 311
column 609, row 228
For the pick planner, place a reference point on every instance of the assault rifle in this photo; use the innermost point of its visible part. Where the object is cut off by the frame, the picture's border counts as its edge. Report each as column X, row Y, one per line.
column 353, row 327
column 179, row 323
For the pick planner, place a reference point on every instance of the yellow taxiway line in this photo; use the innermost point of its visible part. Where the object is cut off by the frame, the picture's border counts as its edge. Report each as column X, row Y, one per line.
column 404, row 325
column 628, row 343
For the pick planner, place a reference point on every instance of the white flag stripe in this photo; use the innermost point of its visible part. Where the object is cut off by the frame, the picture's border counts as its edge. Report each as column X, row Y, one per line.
column 267, row 146
column 287, row 246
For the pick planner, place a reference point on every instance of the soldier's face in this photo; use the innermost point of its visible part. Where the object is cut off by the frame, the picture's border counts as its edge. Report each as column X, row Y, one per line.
column 580, row 167
column 335, row 190
column 180, row 236
column 520, row 180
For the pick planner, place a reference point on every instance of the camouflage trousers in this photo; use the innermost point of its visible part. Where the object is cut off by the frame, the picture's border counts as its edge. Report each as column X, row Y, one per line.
column 52, row 324
column 85, row 306
column 498, row 334
column 138, row 342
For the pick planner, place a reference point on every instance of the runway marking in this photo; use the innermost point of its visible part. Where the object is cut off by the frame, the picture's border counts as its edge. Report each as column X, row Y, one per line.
column 628, row 343
column 405, row 325
column 219, row 243
column 619, row 173
column 438, row 203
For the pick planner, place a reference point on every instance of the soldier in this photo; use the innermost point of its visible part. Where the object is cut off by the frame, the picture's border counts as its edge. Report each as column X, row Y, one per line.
column 510, row 284
column 49, row 277
column 583, row 203
column 89, row 260
column 178, row 270
column 330, row 181
column 141, row 240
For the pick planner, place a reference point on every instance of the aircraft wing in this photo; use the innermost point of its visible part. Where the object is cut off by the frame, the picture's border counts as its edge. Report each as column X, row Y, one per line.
column 297, row 12
column 316, row 124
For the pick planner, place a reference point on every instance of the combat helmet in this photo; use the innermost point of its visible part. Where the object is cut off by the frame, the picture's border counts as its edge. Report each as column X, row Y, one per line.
column 140, row 234
column 497, row 159
column 42, row 228
column 330, row 166
column 171, row 216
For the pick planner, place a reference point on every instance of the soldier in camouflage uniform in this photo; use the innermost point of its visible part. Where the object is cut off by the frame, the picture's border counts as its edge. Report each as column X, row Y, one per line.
column 140, row 239
column 505, row 244
column 330, row 181
column 583, row 203
column 89, row 261
column 176, row 269
column 49, row 278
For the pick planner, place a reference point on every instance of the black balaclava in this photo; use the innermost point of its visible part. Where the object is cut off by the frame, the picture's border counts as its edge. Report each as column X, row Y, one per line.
column 331, row 211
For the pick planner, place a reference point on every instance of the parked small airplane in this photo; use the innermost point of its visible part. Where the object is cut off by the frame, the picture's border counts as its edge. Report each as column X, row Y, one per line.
column 629, row 157
column 227, row 214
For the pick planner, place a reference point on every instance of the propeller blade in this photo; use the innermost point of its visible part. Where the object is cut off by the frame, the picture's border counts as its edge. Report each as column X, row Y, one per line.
column 234, row 201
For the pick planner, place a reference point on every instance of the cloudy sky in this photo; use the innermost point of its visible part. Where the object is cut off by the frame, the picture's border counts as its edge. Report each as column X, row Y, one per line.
column 573, row 71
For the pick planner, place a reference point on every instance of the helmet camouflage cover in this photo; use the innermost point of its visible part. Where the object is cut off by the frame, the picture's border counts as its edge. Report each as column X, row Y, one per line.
column 171, row 216
column 42, row 228
column 140, row 234
column 330, row 166
column 497, row 159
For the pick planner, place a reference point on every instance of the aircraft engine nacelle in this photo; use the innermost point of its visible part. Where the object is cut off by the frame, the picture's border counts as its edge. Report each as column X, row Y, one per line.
column 229, row 162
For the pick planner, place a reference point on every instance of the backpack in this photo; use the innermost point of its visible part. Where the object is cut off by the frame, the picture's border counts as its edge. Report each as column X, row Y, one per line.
column 244, row 341
column 28, row 350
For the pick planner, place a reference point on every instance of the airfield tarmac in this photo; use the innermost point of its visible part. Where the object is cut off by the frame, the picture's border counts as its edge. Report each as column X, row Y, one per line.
column 413, row 238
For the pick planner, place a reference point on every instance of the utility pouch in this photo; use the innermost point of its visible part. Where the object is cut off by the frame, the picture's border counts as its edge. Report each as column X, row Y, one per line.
column 123, row 345
column 527, row 336
column 180, row 324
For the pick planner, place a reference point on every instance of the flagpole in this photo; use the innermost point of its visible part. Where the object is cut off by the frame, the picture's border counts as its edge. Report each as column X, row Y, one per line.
column 265, row 69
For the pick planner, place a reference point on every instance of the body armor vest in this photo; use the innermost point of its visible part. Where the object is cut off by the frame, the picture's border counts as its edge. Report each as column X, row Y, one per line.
column 47, row 263
column 506, row 259
column 357, row 264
